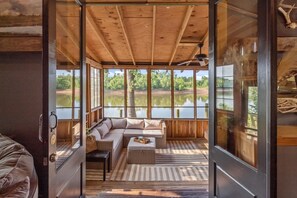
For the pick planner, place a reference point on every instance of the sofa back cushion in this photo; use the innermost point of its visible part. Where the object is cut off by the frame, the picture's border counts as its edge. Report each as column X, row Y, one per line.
column 108, row 123
column 94, row 132
column 119, row 123
column 135, row 124
column 152, row 124
column 103, row 130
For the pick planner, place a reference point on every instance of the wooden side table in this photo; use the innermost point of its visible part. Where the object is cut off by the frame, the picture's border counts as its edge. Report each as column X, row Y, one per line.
column 100, row 156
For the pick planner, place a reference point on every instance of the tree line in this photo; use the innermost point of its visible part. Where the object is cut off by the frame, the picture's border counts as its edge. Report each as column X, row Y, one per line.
column 160, row 80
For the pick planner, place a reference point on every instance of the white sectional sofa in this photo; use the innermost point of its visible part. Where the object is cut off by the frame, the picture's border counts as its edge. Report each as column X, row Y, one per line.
column 114, row 134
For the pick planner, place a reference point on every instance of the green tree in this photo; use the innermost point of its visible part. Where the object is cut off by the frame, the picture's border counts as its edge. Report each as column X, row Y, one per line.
column 64, row 82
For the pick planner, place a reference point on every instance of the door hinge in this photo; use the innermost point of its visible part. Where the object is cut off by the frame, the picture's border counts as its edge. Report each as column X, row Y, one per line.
column 45, row 161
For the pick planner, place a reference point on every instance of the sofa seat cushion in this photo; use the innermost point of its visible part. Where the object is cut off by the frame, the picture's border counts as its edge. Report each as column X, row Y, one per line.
column 133, row 132
column 153, row 133
column 113, row 137
column 146, row 133
column 117, row 131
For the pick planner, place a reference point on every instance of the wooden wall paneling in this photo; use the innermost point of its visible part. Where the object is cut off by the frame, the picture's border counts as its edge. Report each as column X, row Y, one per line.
column 169, row 128
column 186, row 129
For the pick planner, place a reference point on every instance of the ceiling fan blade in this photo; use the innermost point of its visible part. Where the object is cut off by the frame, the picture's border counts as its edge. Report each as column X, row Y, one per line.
column 203, row 62
column 185, row 62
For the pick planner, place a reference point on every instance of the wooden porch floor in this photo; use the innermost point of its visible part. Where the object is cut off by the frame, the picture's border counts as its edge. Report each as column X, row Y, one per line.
column 161, row 189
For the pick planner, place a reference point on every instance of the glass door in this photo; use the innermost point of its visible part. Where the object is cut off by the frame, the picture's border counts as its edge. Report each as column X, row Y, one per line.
column 67, row 118
column 239, row 136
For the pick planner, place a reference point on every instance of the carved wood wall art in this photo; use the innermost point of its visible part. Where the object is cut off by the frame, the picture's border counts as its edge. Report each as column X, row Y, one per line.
column 286, row 14
column 287, row 105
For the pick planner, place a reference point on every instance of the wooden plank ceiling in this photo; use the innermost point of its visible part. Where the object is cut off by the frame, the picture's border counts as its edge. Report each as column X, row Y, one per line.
column 130, row 33
column 135, row 34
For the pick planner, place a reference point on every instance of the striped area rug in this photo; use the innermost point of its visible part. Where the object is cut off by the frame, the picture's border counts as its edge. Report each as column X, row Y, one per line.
column 180, row 161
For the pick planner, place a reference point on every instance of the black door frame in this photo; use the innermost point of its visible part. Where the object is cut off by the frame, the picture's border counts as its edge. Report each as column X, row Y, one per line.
column 50, row 188
column 245, row 174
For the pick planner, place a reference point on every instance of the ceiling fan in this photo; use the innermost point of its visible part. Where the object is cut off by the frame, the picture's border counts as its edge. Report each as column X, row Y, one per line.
column 202, row 59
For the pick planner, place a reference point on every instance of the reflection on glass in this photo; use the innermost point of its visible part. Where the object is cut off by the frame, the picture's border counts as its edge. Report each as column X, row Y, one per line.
column 68, row 80
column 287, row 97
column 95, row 87
column 114, row 93
column 224, row 84
column 136, row 89
column 236, row 79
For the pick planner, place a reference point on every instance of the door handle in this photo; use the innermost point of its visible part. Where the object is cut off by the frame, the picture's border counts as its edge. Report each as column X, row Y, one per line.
column 53, row 157
column 53, row 121
column 40, row 126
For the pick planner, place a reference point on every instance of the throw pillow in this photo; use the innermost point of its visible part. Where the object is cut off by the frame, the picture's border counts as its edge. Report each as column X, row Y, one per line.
column 135, row 124
column 119, row 123
column 91, row 144
column 96, row 133
column 108, row 123
column 152, row 124
column 103, row 130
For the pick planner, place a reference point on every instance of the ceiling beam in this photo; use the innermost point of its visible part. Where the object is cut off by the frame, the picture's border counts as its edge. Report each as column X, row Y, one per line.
column 61, row 22
column 153, row 34
column 93, row 63
column 99, row 34
column 181, row 32
column 119, row 11
column 66, row 54
column 188, row 44
column 204, row 38
column 161, row 67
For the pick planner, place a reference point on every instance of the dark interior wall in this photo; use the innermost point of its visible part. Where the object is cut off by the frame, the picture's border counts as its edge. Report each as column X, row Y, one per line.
column 21, row 100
